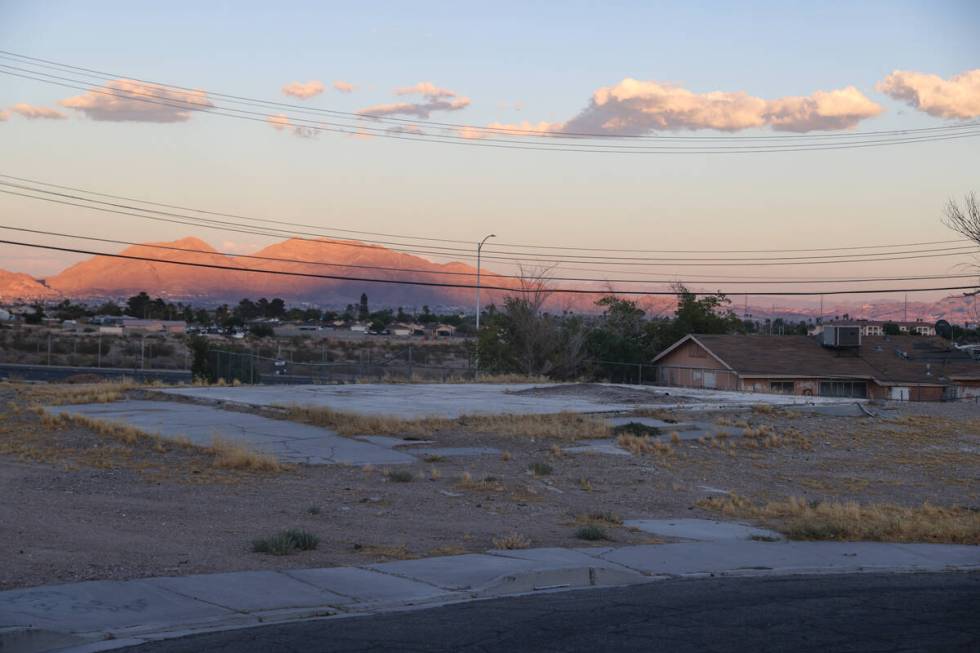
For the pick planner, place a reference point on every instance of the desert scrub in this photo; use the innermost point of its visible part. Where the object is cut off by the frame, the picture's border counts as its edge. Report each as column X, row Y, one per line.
column 540, row 469
column 799, row 519
column 559, row 426
column 285, row 542
column 591, row 533
column 232, row 455
column 399, row 476
column 639, row 445
column 511, row 541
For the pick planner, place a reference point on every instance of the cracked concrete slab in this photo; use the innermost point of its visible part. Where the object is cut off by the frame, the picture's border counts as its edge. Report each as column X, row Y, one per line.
column 457, row 452
column 452, row 400
column 368, row 586
column 704, row 530
column 463, row 572
column 600, row 446
column 291, row 442
column 250, row 591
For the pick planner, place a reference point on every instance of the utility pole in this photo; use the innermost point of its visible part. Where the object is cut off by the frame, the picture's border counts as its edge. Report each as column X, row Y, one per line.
column 906, row 307
column 142, row 352
column 479, row 248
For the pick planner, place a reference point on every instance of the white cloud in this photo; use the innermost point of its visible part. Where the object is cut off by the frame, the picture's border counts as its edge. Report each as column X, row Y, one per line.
column 32, row 112
column 436, row 99
column 118, row 100
column 304, row 91
column 342, row 86
column 957, row 97
column 634, row 107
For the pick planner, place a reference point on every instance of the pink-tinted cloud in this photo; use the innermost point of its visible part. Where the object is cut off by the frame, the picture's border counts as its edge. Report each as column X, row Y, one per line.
column 130, row 100
column 281, row 121
column 435, row 99
column 304, row 91
column 634, row 107
column 956, row 97
column 524, row 128
column 428, row 89
column 4, row 115
column 32, row 112
column 342, row 86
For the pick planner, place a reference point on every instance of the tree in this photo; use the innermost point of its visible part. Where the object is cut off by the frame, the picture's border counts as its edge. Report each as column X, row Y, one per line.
column 965, row 220
column 363, row 313
column 200, row 367
column 891, row 329
column 522, row 337
column 620, row 336
column 261, row 330
column 710, row 314
column 109, row 308
column 139, row 305
column 276, row 308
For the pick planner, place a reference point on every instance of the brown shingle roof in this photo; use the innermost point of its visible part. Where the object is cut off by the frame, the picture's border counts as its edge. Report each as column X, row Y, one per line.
column 926, row 360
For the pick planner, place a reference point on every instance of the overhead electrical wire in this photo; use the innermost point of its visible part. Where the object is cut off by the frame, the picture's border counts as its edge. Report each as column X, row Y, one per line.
column 488, row 274
column 953, row 132
column 106, row 76
column 406, row 282
column 167, row 217
column 471, row 241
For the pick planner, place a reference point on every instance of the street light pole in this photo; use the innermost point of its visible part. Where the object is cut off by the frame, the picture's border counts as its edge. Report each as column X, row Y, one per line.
column 479, row 248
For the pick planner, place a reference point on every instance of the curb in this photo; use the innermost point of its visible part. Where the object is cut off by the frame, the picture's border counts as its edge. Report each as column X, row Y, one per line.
column 106, row 615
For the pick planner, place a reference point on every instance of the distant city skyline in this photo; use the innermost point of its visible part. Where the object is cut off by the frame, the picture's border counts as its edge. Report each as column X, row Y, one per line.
column 612, row 69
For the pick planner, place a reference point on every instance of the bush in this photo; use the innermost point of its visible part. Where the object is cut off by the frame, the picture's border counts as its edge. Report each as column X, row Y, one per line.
column 285, row 542
column 400, row 476
column 591, row 533
column 540, row 469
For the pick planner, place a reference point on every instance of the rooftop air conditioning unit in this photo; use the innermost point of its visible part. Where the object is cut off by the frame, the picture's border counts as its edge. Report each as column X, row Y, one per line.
column 842, row 337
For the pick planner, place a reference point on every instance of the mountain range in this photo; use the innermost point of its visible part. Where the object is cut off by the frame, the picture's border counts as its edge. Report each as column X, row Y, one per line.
column 324, row 260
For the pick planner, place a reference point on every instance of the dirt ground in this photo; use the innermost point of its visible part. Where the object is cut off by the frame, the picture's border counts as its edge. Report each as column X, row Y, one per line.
column 78, row 506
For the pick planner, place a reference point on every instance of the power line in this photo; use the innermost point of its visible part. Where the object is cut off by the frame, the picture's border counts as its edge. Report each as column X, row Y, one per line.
column 447, row 272
column 541, row 258
column 54, row 65
column 470, row 242
column 405, row 282
column 320, row 126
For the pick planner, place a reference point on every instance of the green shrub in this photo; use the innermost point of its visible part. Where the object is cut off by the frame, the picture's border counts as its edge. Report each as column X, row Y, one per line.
column 592, row 533
column 540, row 469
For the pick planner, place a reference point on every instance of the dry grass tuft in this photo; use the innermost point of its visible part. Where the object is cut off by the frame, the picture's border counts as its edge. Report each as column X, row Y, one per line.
column 639, row 445
column 232, row 455
column 599, row 518
column 836, row 520
column 511, row 541
column 385, row 552
column 89, row 393
column 506, row 456
column 561, row 426
column 485, row 484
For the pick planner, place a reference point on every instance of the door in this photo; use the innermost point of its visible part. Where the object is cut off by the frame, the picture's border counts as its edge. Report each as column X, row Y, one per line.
column 899, row 393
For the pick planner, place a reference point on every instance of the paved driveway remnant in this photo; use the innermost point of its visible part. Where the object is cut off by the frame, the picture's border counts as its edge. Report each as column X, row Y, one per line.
column 289, row 441
column 451, row 400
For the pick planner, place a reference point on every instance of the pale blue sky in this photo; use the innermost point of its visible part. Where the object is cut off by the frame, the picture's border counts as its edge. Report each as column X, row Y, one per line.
column 546, row 57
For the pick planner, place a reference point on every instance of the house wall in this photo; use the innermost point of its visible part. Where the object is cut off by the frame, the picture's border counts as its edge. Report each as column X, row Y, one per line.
column 691, row 366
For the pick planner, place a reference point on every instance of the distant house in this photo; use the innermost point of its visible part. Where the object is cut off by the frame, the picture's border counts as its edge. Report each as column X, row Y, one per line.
column 402, row 329
column 359, row 327
column 877, row 327
column 909, row 368
column 444, row 330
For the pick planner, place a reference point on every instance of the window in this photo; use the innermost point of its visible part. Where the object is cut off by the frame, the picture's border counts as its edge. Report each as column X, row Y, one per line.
column 782, row 387
column 844, row 388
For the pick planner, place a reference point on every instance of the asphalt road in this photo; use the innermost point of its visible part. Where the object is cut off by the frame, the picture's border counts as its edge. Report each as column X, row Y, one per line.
column 858, row 612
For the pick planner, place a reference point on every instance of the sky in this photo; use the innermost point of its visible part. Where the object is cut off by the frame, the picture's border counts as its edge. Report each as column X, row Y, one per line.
column 646, row 68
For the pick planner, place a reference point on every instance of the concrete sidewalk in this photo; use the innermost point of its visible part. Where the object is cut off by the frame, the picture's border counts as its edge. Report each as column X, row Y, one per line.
column 102, row 615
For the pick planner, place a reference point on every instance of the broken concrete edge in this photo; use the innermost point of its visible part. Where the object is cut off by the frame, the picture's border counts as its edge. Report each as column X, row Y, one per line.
column 423, row 583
